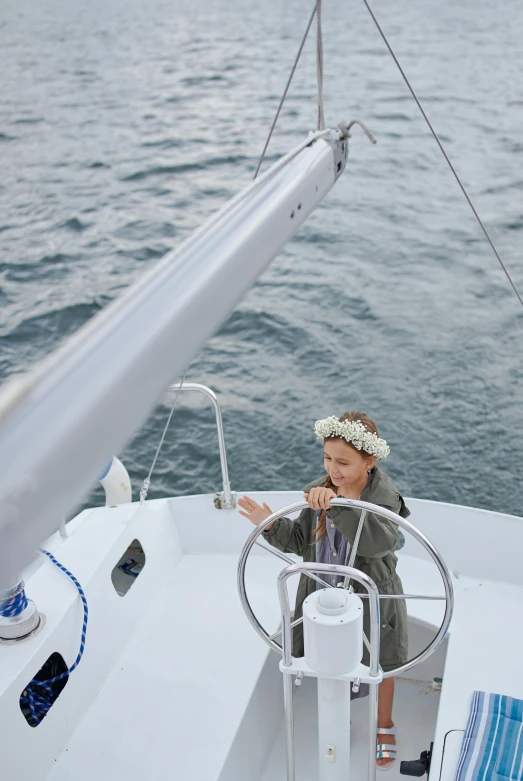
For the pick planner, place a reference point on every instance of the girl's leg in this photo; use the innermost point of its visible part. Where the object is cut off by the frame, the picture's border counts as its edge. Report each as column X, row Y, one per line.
column 385, row 700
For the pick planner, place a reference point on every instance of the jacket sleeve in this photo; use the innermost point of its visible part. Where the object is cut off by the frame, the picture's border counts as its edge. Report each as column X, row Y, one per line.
column 291, row 536
column 379, row 536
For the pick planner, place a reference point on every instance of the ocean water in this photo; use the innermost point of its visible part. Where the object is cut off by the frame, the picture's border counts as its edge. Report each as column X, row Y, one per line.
column 124, row 124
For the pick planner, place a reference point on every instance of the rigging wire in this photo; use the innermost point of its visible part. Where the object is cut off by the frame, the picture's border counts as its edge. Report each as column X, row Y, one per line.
column 319, row 66
column 425, row 117
column 147, row 482
column 289, row 80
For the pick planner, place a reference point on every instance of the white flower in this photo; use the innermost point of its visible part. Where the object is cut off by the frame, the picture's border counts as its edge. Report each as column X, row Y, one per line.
column 354, row 432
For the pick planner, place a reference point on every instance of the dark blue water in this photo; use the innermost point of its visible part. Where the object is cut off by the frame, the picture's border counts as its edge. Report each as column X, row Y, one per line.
column 124, row 124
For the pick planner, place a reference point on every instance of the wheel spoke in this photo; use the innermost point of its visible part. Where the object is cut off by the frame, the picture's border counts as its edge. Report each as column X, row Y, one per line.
column 282, row 556
column 294, row 623
column 354, row 548
column 404, row 596
column 274, row 552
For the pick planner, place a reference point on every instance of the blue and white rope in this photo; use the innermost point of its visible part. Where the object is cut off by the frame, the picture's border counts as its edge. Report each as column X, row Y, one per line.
column 14, row 602
column 40, row 701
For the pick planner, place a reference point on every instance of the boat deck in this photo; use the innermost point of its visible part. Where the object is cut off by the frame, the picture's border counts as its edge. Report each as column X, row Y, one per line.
column 175, row 680
column 189, row 673
column 194, row 667
column 180, row 690
column 415, row 711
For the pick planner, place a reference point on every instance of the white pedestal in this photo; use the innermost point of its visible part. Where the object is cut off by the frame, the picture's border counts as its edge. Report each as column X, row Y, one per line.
column 334, row 729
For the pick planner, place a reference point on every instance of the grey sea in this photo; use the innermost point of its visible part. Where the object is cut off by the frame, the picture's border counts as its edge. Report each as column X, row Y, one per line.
column 124, row 124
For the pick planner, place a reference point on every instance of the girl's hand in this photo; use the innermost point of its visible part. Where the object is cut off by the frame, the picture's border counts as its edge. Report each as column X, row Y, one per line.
column 320, row 498
column 256, row 513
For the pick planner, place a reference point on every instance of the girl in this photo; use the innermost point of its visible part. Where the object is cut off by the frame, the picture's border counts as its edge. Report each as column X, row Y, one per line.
column 351, row 449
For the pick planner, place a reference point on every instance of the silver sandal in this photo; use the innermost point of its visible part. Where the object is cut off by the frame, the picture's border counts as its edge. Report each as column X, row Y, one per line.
column 386, row 750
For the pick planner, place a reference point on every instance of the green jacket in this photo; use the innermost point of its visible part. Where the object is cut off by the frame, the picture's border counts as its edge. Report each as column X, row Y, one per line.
column 376, row 558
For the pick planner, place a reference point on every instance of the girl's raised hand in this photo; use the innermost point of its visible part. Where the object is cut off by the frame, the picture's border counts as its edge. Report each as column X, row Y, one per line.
column 319, row 498
column 256, row 513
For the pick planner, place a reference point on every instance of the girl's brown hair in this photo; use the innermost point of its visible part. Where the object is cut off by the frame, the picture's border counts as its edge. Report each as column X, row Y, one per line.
column 321, row 529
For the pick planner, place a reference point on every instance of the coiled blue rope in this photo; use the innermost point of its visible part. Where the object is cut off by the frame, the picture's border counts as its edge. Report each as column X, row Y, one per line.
column 14, row 603
column 39, row 696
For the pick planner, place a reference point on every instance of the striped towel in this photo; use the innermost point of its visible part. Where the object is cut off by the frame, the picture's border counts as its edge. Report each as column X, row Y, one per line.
column 493, row 742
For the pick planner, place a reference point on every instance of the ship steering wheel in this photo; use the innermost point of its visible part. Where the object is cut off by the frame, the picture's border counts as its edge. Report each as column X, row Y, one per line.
column 365, row 507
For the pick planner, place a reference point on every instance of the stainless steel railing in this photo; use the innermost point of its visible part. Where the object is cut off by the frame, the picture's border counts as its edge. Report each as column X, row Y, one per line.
column 228, row 500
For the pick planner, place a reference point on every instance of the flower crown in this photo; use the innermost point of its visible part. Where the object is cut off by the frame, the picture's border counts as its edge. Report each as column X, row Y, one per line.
column 354, row 432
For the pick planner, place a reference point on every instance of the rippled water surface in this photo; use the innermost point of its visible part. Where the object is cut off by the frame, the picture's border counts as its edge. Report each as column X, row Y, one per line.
column 123, row 125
